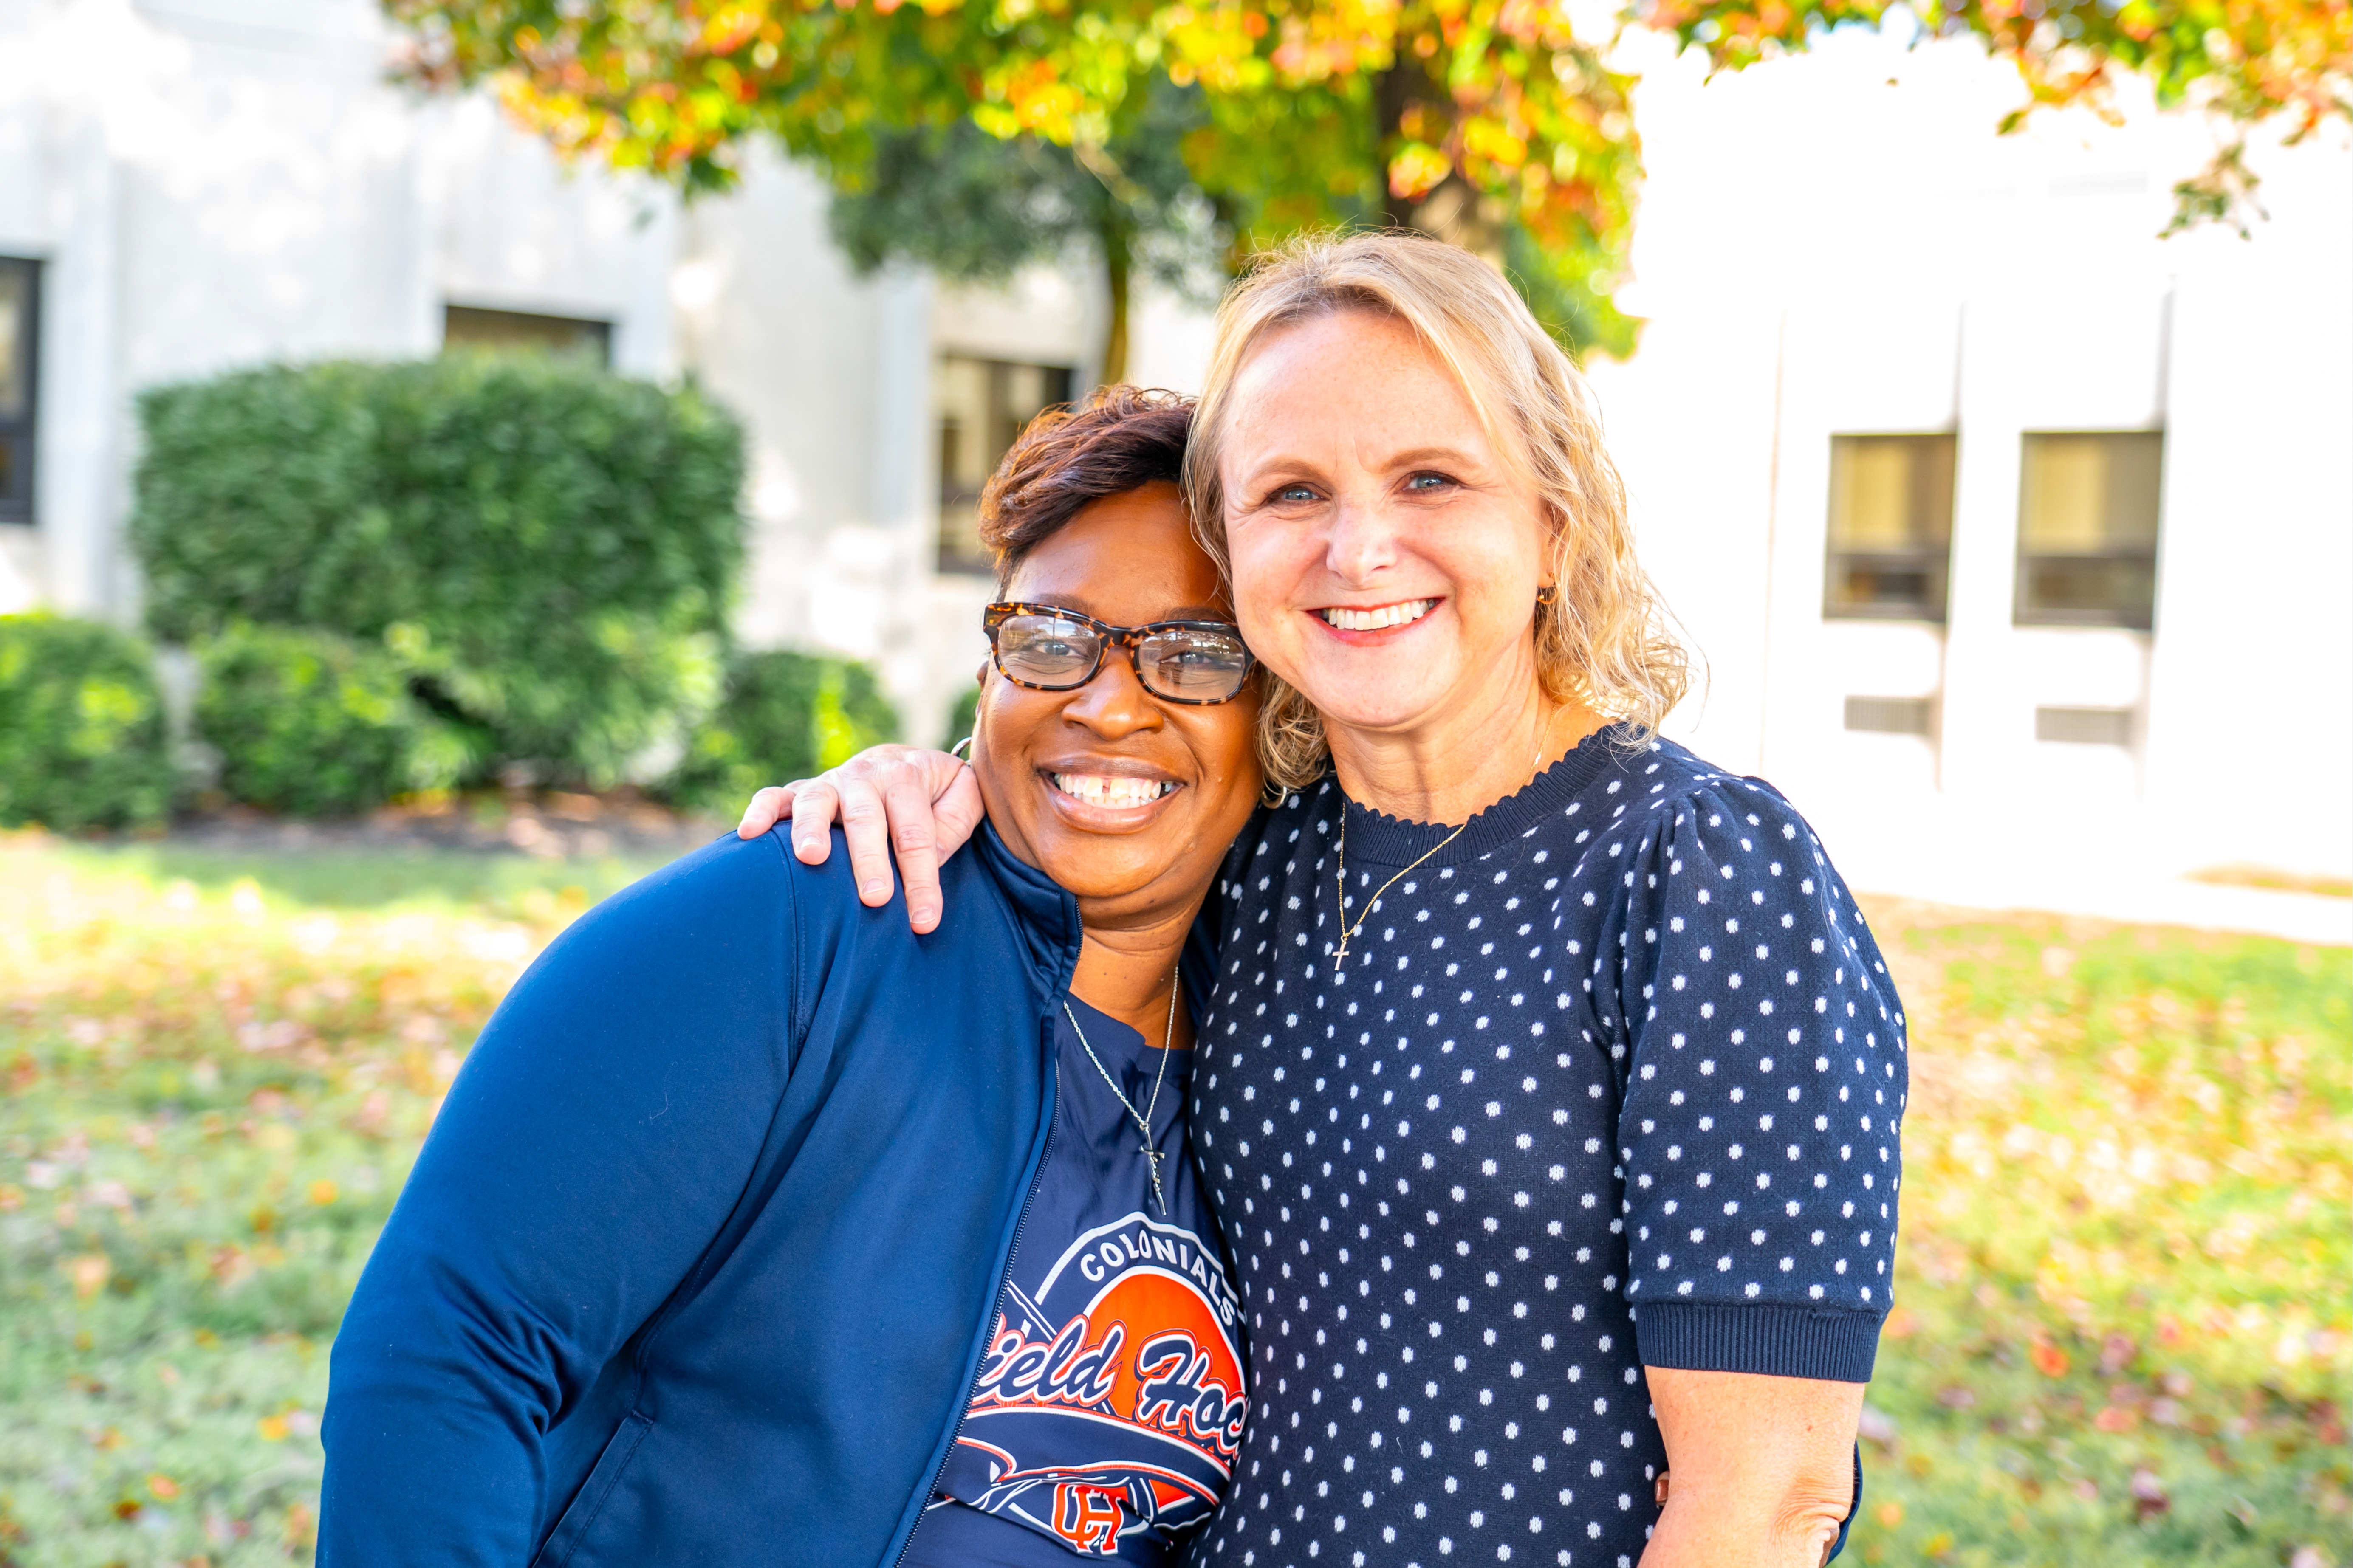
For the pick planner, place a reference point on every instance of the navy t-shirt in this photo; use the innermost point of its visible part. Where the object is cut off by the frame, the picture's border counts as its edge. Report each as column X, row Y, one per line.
column 1110, row 1401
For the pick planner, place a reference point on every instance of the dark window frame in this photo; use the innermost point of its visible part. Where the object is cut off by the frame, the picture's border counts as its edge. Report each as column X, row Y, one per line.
column 956, row 553
column 2137, row 560
column 1932, row 562
column 19, row 470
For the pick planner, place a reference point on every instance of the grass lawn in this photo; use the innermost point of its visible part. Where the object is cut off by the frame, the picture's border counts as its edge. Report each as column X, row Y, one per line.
column 2122, row 1331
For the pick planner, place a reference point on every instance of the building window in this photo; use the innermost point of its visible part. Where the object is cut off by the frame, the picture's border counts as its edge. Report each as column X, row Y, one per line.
column 466, row 327
column 984, row 405
column 2087, row 529
column 1892, row 715
column 1891, row 535
column 20, row 339
column 2084, row 726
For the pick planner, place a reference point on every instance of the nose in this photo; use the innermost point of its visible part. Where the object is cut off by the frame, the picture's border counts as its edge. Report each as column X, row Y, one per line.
column 1114, row 702
column 1360, row 541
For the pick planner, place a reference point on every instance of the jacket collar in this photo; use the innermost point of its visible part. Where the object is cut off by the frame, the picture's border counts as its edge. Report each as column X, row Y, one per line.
column 1046, row 915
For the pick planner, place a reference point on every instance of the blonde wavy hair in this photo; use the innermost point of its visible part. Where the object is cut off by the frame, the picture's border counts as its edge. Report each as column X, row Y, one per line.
column 1604, row 638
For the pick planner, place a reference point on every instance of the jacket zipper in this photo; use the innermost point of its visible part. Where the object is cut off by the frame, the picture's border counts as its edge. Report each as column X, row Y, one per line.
column 1020, row 1223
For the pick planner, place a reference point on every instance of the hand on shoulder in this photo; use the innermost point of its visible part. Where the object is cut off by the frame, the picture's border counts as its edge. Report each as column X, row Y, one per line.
column 919, row 803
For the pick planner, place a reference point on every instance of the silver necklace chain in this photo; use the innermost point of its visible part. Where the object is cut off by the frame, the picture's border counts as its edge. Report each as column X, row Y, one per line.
column 1340, row 856
column 1152, row 1157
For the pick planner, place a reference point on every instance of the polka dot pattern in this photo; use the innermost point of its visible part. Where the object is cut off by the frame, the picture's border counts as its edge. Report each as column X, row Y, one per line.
column 1619, row 1065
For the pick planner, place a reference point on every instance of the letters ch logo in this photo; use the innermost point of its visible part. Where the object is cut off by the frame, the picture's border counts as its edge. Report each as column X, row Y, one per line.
column 1089, row 1517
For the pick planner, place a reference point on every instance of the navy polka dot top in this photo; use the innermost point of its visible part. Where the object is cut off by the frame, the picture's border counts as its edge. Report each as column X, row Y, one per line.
column 1613, row 1079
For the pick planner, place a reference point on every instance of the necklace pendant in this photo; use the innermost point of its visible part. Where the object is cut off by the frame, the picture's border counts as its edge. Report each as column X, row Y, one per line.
column 1152, row 1162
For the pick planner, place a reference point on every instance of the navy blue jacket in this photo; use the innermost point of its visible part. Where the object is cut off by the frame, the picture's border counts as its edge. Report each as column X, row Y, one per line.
column 699, row 1261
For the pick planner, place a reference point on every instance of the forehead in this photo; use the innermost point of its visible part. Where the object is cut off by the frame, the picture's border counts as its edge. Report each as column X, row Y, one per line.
column 1127, row 558
column 1356, row 376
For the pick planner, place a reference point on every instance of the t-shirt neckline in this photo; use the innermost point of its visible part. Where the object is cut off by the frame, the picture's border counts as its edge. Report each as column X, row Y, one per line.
column 1120, row 1045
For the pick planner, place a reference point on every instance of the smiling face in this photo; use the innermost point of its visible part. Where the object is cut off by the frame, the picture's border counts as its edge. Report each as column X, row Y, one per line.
column 1385, row 553
column 1126, row 801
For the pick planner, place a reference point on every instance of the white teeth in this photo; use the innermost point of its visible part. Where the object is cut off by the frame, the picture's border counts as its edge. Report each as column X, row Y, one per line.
column 1374, row 620
column 1109, row 790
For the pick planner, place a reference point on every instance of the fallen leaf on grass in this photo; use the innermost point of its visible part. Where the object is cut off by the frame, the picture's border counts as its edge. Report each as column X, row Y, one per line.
column 88, row 1272
column 2048, row 1359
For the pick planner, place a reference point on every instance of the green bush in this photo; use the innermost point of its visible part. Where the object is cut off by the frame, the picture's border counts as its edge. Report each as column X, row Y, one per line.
column 785, row 716
column 82, row 741
column 310, row 723
column 548, row 551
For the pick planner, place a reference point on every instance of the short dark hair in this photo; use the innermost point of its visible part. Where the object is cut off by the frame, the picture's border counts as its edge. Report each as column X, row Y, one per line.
column 1115, row 440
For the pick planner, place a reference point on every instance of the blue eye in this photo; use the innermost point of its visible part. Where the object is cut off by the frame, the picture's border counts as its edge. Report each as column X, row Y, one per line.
column 1295, row 493
column 1428, row 482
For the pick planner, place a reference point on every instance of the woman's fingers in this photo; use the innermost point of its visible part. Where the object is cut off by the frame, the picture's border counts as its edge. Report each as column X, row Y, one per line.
column 769, row 807
column 915, row 836
column 867, row 826
column 920, row 805
column 813, row 803
column 934, row 801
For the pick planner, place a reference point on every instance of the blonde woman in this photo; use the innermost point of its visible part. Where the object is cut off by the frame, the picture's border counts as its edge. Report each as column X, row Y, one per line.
column 1549, row 1093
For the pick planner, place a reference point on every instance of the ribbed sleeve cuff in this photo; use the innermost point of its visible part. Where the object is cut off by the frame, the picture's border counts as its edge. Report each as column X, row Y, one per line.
column 1836, row 1346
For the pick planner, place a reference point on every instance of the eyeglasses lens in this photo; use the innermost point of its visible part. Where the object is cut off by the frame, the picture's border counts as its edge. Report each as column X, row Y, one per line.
column 1047, row 651
column 1193, row 666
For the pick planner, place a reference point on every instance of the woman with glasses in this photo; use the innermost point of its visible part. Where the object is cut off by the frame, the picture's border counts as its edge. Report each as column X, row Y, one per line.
column 758, row 1229
column 1548, row 1096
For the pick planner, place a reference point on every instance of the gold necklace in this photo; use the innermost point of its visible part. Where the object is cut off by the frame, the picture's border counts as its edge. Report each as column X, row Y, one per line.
column 1142, row 1117
column 1340, row 874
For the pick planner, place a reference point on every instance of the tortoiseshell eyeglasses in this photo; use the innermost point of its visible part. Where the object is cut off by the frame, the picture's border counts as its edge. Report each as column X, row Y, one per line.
column 1048, row 648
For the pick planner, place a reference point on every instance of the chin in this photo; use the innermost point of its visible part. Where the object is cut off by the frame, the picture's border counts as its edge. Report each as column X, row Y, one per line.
column 1395, row 694
column 1087, row 873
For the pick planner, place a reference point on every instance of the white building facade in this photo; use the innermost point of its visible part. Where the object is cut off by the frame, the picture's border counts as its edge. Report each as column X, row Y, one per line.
column 2114, row 579
column 2014, row 539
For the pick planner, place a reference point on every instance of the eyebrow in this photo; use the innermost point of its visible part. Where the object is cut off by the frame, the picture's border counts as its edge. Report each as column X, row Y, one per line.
column 1421, row 456
column 1413, row 457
